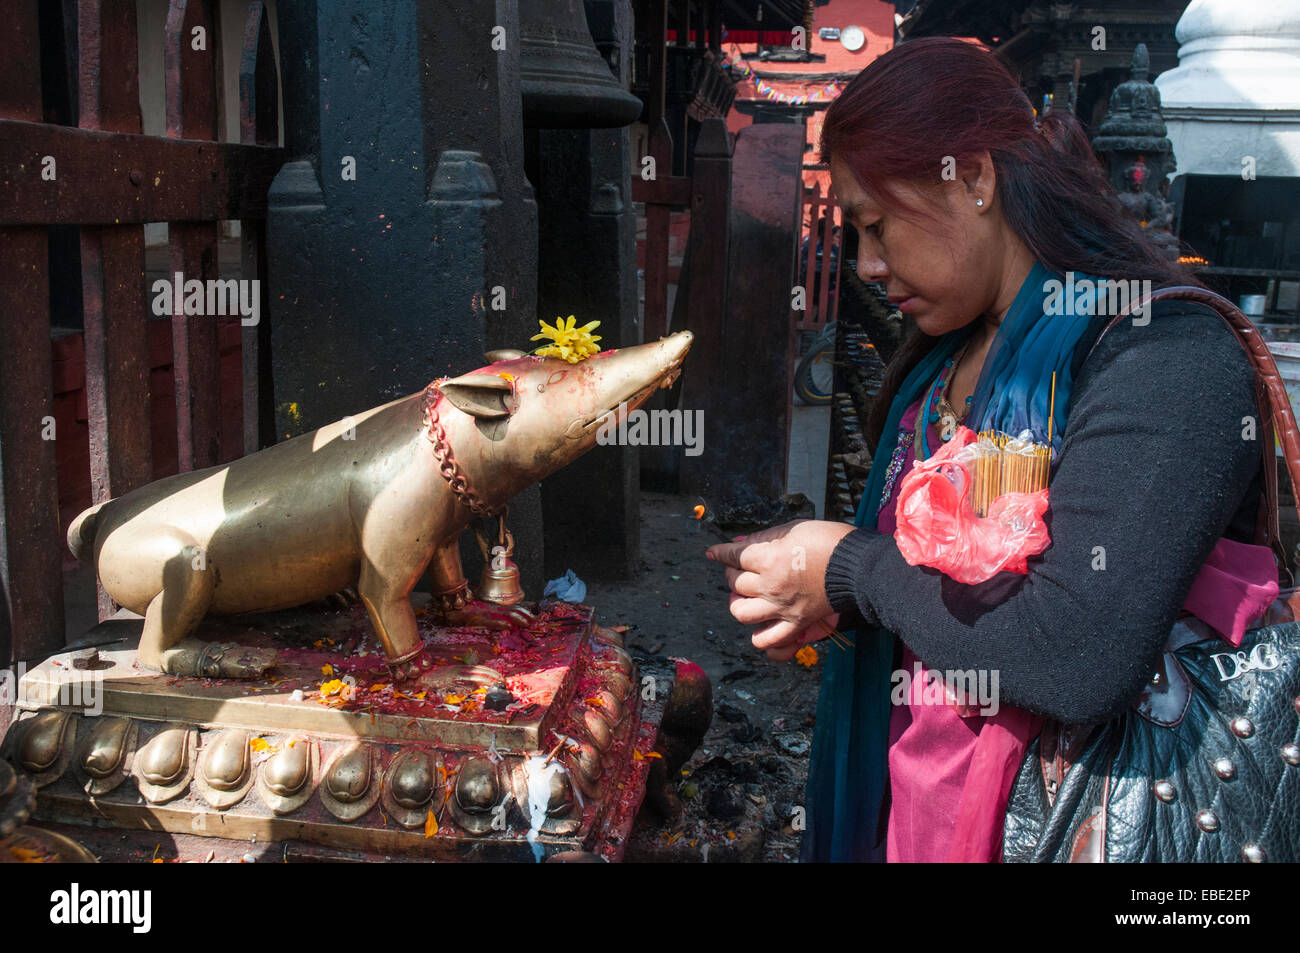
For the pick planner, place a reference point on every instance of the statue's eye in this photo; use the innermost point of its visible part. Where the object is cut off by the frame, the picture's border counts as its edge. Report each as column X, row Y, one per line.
column 556, row 377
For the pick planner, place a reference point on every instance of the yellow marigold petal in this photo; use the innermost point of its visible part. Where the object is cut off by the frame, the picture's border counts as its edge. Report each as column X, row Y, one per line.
column 430, row 824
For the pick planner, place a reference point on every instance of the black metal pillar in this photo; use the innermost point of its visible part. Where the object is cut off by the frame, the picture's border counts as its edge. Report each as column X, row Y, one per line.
column 587, row 268
column 402, row 211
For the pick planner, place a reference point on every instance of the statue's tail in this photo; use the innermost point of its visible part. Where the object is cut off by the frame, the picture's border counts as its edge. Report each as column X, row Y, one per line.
column 81, row 534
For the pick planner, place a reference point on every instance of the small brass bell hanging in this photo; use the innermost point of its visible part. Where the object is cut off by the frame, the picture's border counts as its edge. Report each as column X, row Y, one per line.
column 500, row 581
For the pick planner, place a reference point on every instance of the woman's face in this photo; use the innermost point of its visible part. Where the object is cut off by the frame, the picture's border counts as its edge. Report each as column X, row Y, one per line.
column 944, row 273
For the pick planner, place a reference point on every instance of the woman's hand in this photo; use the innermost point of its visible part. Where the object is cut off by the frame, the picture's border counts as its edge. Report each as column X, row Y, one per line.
column 782, row 649
column 778, row 581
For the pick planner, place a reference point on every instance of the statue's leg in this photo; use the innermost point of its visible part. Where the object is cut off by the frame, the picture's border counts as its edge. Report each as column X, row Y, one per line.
column 167, row 644
column 389, row 606
column 454, row 602
column 447, row 579
column 391, row 615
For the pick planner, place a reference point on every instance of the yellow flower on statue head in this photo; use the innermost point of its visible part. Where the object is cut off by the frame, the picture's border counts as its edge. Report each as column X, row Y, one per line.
column 567, row 342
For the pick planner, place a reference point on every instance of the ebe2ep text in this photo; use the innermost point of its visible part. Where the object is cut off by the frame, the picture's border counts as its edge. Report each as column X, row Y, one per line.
column 1161, row 896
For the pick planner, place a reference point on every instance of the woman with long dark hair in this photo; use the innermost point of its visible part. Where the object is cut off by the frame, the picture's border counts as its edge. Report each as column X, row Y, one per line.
column 971, row 210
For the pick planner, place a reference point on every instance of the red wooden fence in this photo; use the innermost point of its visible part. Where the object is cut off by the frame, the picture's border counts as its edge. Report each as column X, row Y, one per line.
column 661, row 195
column 109, row 181
column 72, row 412
column 821, row 291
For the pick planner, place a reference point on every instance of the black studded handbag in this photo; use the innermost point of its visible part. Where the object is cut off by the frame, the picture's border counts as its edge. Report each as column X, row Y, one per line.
column 1205, row 764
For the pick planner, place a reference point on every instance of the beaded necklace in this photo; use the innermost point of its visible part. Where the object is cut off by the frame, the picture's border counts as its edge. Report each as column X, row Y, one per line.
column 937, row 410
column 928, row 414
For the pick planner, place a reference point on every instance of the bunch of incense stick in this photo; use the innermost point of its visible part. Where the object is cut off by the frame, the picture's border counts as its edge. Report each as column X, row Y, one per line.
column 1005, row 464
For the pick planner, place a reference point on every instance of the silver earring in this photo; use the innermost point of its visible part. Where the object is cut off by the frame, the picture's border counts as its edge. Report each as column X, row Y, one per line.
column 979, row 202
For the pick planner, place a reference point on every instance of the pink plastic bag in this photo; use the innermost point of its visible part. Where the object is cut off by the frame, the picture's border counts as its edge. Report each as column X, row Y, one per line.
column 938, row 527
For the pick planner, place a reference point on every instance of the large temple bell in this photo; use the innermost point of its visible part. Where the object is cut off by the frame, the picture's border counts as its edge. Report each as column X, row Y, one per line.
column 565, row 82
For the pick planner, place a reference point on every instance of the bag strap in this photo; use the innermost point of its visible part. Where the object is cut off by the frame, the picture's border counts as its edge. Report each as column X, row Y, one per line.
column 1274, row 406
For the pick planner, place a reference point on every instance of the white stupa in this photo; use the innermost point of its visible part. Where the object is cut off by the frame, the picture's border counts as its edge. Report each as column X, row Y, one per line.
column 1236, row 90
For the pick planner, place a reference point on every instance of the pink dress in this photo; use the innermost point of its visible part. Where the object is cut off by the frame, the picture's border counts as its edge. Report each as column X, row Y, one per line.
column 931, row 747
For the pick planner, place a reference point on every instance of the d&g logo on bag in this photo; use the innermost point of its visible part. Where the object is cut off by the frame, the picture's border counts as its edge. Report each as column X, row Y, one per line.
column 1262, row 658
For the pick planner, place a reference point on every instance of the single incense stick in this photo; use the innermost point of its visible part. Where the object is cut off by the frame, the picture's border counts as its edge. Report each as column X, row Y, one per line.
column 1051, row 410
column 555, row 751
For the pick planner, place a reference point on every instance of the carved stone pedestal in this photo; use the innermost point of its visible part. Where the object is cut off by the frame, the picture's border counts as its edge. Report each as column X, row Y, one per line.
column 516, row 745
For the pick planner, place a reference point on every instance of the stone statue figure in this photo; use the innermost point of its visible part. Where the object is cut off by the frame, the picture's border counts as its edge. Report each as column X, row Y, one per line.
column 1132, row 142
column 1151, row 210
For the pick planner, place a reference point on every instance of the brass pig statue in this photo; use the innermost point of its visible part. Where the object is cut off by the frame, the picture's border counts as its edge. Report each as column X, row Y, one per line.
column 369, row 502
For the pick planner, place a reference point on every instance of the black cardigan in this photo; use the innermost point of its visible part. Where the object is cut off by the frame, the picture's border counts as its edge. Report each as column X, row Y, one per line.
column 1154, row 467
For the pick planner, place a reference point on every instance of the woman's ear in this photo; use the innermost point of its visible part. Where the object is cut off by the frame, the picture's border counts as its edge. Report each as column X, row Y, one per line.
column 979, row 181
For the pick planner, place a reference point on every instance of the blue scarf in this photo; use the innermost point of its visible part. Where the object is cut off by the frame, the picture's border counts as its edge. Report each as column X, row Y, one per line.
column 849, row 758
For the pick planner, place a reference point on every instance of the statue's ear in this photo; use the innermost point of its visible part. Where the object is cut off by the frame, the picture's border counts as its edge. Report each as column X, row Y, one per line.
column 479, row 395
